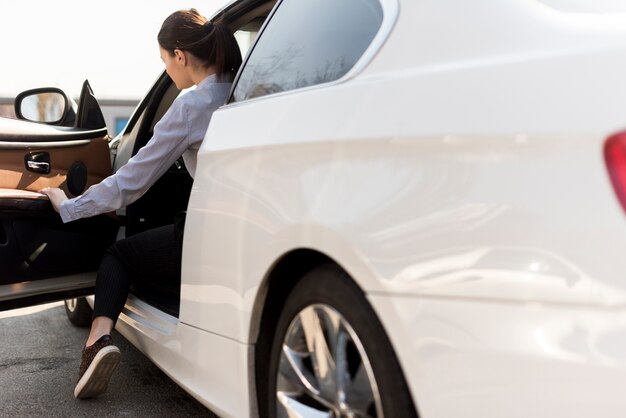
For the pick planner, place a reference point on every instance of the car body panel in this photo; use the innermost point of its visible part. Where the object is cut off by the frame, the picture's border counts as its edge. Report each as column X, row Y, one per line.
column 466, row 236
column 188, row 355
column 487, row 358
column 426, row 172
column 453, row 179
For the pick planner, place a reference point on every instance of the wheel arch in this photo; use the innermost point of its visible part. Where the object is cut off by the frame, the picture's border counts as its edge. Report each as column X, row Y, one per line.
column 278, row 283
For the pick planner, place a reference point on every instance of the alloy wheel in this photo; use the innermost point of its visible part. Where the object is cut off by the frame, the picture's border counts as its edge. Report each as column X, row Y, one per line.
column 324, row 370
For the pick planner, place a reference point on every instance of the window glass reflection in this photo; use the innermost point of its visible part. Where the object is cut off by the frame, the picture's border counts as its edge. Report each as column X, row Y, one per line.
column 43, row 107
column 309, row 42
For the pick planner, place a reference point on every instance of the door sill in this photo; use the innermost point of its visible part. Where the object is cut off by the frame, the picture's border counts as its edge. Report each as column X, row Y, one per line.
column 148, row 319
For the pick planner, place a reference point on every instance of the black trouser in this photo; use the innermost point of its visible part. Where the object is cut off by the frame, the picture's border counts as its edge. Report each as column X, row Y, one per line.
column 151, row 259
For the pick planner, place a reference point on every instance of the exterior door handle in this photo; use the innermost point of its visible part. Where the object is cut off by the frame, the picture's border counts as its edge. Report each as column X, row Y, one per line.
column 38, row 162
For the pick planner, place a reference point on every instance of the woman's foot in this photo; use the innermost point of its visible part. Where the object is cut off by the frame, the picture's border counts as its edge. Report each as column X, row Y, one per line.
column 96, row 367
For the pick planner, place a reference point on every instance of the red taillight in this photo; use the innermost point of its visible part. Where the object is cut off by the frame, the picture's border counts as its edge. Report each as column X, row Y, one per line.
column 615, row 157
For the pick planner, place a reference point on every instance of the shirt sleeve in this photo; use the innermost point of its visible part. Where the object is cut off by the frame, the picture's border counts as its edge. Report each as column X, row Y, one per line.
column 131, row 181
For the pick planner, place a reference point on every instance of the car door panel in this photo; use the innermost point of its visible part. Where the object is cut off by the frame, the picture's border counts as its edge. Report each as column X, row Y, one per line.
column 47, row 247
column 92, row 155
column 37, row 250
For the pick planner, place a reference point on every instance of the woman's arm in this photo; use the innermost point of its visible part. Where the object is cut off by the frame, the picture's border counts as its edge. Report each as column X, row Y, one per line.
column 133, row 179
column 56, row 196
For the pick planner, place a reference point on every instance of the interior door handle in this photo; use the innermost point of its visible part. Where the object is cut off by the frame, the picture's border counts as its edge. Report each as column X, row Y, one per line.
column 38, row 162
column 38, row 167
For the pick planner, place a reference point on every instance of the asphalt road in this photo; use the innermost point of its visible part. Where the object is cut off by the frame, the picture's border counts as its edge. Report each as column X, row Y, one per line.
column 39, row 359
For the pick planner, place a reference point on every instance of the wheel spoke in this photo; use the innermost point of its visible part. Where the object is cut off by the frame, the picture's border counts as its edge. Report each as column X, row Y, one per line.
column 359, row 396
column 321, row 354
column 353, row 392
column 288, row 407
column 342, row 365
column 293, row 369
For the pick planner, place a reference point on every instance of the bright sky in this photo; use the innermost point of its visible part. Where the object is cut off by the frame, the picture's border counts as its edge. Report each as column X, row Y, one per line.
column 61, row 43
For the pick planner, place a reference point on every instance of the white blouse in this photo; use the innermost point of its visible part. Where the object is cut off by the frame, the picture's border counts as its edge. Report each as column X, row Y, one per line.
column 179, row 132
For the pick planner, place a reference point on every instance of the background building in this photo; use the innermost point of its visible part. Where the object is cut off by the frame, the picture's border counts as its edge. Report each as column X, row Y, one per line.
column 6, row 108
column 116, row 113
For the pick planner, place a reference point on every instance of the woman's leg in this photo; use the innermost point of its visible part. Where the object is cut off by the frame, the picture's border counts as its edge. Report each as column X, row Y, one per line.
column 152, row 256
column 112, row 286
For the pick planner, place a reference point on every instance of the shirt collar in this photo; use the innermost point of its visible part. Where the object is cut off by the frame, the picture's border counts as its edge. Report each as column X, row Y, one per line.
column 211, row 79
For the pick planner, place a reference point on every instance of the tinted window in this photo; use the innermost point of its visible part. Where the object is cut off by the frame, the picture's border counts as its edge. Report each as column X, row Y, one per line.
column 308, row 42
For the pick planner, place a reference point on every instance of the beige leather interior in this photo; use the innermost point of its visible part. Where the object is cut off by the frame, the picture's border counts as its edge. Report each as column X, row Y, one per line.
column 20, row 194
column 14, row 175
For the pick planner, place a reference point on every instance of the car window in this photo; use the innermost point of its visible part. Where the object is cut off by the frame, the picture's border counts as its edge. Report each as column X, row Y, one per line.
column 247, row 34
column 308, row 42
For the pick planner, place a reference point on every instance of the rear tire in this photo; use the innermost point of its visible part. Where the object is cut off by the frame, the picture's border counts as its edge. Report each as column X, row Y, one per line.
column 79, row 312
column 330, row 355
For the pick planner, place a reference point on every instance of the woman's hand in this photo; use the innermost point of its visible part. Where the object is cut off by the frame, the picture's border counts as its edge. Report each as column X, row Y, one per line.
column 56, row 196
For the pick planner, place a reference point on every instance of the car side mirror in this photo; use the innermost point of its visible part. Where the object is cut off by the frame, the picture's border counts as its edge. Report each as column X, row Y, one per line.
column 47, row 105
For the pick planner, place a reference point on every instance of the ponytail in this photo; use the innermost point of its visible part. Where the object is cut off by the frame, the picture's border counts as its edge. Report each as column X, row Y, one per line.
column 212, row 44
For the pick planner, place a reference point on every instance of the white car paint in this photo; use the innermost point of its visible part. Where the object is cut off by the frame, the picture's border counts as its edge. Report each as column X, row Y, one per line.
column 459, row 179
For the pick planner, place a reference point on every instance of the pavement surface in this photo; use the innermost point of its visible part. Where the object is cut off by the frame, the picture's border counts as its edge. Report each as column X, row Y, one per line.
column 39, row 359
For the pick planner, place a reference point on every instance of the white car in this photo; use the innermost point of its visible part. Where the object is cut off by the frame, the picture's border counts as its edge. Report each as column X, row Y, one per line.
column 407, row 207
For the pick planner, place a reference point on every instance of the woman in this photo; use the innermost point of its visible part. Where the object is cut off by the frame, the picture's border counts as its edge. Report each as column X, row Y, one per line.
column 195, row 52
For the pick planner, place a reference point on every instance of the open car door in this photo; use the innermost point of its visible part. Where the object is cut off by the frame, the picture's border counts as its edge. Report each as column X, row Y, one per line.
column 42, row 259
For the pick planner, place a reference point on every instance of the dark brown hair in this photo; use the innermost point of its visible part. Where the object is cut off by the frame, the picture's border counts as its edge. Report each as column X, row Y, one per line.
column 213, row 44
